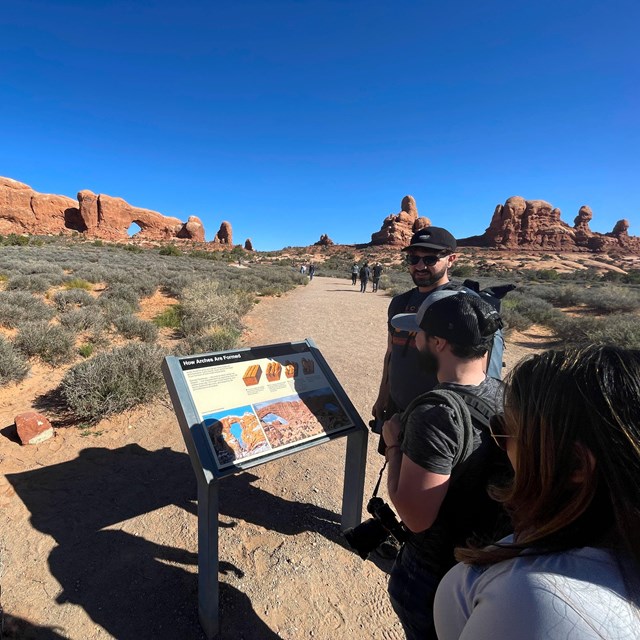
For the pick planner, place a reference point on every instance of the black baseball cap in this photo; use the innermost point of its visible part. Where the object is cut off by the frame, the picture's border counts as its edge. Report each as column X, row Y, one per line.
column 432, row 238
column 457, row 316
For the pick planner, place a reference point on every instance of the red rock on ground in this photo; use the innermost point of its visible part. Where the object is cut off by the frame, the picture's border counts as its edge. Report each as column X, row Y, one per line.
column 33, row 427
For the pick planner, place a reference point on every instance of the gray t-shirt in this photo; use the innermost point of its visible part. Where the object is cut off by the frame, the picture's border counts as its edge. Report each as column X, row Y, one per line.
column 574, row 595
column 431, row 438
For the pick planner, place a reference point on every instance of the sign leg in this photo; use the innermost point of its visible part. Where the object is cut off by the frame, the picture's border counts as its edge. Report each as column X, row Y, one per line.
column 208, row 592
column 354, row 472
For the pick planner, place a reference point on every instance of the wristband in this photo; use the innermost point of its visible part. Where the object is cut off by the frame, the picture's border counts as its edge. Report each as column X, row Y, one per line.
column 393, row 446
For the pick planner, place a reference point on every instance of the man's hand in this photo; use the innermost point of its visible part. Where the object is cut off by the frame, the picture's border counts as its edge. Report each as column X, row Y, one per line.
column 391, row 430
column 380, row 407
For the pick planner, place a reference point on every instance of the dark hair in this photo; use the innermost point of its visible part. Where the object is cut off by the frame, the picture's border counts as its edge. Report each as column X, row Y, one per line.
column 471, row 352
column 573, row 412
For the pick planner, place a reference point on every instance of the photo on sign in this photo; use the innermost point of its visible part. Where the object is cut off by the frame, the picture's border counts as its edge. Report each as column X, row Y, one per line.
column 235, row 434
column 299, row 417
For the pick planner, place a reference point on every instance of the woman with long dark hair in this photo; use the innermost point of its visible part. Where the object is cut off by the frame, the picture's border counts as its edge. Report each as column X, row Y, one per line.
column 571, row 428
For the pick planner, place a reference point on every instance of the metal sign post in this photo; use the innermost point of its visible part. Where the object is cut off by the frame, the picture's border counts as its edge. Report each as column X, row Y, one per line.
column 241, row 408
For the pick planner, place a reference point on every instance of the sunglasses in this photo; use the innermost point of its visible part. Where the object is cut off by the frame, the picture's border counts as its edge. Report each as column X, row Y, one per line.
column 428, row 261
column 497, row 431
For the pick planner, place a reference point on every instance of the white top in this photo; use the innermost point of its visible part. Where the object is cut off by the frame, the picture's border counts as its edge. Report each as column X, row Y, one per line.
column 574, row 595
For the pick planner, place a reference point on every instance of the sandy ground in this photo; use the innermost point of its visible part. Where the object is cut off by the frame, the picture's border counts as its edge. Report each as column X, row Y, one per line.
column 99, row 525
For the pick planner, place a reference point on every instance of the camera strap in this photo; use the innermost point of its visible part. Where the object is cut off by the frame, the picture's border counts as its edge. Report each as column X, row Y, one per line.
column 375, row 491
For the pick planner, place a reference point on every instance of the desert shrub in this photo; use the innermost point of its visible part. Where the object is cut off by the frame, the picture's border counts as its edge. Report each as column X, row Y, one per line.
column 169, row 318
column 170, row 250
column 597, row 298
column 535, row 309
column 120, row 291
column 13, row 365
column 622, row 330
column 53, row 344
column 115, row 307
column 219, row 339
column 463, row 271
column 114, row 381
column 514, row 320
column 86, row 349
column 18, row 307
column 547, row 274
column 131, row 327
column 78, row 283
column 89, row 318
column 16, row 240
column 173, row 285
column 35, row 283
column 72, row 298
column 203, row 307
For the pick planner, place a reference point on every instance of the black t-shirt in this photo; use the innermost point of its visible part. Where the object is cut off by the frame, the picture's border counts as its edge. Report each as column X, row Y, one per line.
column 431, row 439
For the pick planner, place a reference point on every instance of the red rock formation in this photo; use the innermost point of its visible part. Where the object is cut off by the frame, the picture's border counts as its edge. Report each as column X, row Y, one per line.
column 23, row 210
column 398, row 228
column 325, row 241
column 248, row 245
column 536, row 224
column 110, row 218
column 224, row 235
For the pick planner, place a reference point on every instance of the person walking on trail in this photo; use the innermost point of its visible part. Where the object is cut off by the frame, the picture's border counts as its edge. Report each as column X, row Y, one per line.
column 365, row 274
column 429, row 255
column 354, row 273
column 440, row 455
column 312, row 271
column 377, row 272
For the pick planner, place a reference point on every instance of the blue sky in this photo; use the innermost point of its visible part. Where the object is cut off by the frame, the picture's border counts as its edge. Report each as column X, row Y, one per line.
column 291, row 119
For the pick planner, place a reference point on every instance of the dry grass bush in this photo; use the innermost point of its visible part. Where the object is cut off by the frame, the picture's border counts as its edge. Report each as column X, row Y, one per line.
column 203, row 307
column 115, row 307
column 51, row 343
column 597, row 298
column 72, row 298
column 34, row 283
column 18, row 307
column 124, row 292
column 88, row 318
column 131, row 327
column 114, row 381
column 218, row 339
column 622, row 330
column 13, row 365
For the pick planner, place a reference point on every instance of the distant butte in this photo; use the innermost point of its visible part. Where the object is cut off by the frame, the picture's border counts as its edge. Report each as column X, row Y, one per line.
column 23, row 210
column 517, row 224
column 535, row 225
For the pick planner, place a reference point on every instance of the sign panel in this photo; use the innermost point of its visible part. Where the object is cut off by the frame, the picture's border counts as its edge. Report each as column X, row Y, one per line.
column 255, row 403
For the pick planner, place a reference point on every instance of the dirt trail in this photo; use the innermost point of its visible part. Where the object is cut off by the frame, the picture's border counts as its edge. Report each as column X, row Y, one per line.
column 99, row 526
column 99, row 533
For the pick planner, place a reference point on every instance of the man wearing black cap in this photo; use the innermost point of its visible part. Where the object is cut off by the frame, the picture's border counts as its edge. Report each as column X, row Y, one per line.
column 440, row 459
column 429, row 256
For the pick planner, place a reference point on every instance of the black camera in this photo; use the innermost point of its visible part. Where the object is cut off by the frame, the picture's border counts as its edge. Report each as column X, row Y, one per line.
column 369, row 534
column 376, row 427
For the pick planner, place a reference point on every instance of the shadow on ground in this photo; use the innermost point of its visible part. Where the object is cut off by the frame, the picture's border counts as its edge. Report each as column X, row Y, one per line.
column 133, row 587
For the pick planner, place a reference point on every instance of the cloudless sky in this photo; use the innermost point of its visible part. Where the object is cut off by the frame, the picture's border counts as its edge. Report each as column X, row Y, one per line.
column 294, row 118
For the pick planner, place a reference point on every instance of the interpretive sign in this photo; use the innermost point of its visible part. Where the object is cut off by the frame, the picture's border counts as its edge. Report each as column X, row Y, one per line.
column 255, row 403
column 245, row 407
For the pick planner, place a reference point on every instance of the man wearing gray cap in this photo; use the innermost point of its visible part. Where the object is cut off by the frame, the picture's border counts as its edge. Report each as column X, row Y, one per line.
column 429, row 255
column 440, row 455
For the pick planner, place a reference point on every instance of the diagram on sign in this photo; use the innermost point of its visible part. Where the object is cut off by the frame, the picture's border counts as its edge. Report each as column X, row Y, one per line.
column 255, row 405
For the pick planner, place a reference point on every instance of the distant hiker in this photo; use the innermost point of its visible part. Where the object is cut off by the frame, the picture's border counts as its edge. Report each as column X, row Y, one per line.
column 312, row 270
column 365, row 274
column 354, row 273
column 303, row 269
column 377, row 272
